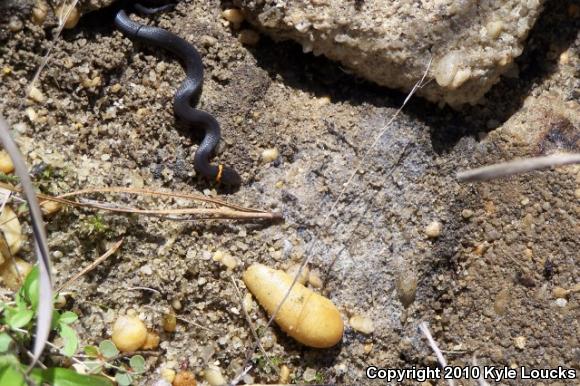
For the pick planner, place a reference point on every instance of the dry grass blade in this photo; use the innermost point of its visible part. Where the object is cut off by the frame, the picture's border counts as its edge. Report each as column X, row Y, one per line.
column 92, row 266
column 225, row 211
column 45, row 305
column 440, row 358
column 510, row 168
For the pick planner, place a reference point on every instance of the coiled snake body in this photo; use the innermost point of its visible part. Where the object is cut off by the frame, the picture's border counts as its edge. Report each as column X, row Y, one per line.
column 186, row 94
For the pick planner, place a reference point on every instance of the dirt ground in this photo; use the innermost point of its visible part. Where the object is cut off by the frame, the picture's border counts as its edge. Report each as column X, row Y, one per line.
column 484, row 286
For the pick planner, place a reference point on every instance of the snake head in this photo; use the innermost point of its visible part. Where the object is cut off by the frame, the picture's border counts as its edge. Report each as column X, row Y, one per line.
column 229, row 177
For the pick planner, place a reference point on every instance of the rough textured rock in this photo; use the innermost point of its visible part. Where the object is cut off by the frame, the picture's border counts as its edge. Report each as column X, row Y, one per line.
column 471, row 42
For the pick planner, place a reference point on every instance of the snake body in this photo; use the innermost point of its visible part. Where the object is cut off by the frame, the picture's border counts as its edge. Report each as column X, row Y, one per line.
column 186, row 94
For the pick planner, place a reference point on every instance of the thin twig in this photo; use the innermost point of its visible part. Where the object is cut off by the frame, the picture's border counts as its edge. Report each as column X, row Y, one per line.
column 505, row 169
column 92, row 266
column 226, row 211
column 442, row 362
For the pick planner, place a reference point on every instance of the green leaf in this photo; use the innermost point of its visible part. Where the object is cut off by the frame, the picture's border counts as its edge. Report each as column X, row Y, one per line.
column 19, row 318
column 10, row 375
column 137, row 363
column 30, row 288
column 108, row 349
column 56, row 376
column 94, row 367
column 5, row 342
column 71, row 341
column 123, row 379
column 91, row 351
column 68, row 317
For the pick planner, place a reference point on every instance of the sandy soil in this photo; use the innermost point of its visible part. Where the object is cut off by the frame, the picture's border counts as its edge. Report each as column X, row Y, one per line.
column 486, row 281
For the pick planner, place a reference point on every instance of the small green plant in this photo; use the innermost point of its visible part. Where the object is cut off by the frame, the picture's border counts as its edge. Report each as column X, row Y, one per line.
column 16, row 331
column 106, row 356
column 95, row 224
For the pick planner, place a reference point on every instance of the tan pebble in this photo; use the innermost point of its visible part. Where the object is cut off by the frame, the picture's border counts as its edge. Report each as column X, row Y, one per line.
column 213, row 376
column 314, row 280
column 560, row 292
column 406, row 285
column 6, row 164
column 169, row 322
column 6, row 70
column 13, row 272
column 494, row 29
column 293, row 271
column 362, row 324
column 36, row 95
column 129, row 333
column 15, row 25
column 461, row 77
column 446, row 68
column 115, row 88
column 176, row 304
column 466, row 213
column 249, row 37
column 248, row 303
column 502, row 300
column 233, row 15
column 230, row 262
column 576, row 288
column 39, row 12
column 184, row 378
column 284, row 374
column 141, row 112
column 218, row 256
column 31, row 114
column 168, row 374
column 564, row 58
column 60, row 302
column 368, row 348
column 433, row 230
column 279, row 185
column 73, row 17
column 152, row 341
column 50, row 208
column 12, row 230
column 520, row 342
column 577, row 193
column 480, row 248
column 270, row 155
column 306, row 316
column 92, row 83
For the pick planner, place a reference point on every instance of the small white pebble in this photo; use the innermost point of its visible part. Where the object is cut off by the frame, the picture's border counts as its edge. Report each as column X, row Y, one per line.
column 362, row 324
column 213, row 376
column 494, row 29
column 561, row 302
column 433, row 230
column 466, row 213
column 309, row 375
column 446, row 68
column 146, row 270
column 36, row 95
column 520, row 342
column 270, row 155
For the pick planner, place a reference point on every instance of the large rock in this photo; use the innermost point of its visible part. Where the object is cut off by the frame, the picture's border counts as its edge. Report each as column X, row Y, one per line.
column 472, row 42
